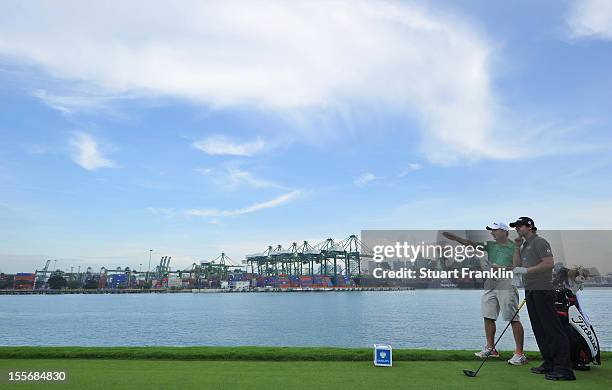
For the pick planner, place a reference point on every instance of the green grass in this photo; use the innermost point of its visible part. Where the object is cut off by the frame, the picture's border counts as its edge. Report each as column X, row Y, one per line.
column 159, row 374
column 238, row 353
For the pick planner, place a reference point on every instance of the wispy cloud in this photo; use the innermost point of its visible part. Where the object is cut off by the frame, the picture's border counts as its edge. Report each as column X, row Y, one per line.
column 302, row 58
column 238, row 176
column 163, row 211
column 364, row 179
column 231, row 177
column 205, row 171
column 410, row 168
column 77, row 101
column 590, row 19
column 215, row 213
column 221, row 145
column 86, row 153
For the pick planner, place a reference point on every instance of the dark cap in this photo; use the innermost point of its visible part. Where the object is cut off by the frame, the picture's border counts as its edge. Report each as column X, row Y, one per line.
column 524, row 221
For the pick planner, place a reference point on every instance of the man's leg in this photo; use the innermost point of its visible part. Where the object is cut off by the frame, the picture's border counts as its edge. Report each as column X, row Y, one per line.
column 519, row 336
column 489, row 326
column 489, row 310
column 557, row 342
column 538, row 328
column 508, row 297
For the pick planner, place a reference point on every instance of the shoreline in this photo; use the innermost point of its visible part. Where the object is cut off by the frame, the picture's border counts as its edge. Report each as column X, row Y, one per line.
column 229, row 290
column 200, row 291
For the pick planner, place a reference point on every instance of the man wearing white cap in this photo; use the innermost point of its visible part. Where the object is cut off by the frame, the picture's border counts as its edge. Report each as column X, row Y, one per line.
column 499, row 294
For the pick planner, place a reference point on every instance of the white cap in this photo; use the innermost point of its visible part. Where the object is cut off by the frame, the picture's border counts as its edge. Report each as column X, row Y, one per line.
column 498, row 225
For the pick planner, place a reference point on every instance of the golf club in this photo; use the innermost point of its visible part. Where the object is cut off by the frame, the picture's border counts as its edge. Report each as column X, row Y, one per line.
column 471, row 373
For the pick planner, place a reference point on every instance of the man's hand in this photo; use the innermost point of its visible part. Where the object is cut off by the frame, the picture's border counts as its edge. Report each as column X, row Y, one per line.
column 458, row 239
column 517, row 280
column 450, row 236
column 519, row 271
column 518, row 241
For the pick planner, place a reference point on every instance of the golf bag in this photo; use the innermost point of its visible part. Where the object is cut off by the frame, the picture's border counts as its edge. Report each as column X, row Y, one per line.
column 584, row 346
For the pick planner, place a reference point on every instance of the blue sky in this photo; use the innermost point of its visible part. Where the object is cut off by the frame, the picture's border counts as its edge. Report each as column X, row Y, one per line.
column 201, row 128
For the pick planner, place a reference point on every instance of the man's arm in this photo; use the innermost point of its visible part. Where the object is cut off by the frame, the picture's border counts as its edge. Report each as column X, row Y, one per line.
column 542, row 248
column 463, row 241
column 546, row 264
column 516, row 257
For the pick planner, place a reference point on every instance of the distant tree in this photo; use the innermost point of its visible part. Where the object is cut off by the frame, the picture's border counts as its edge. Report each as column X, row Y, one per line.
column 91, row 283
column 146, row 285
column 57, row 281
column 74, row 284
column 5, row 282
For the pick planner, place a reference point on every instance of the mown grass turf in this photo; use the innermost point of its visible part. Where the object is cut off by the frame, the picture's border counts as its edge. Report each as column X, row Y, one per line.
column 151, row 375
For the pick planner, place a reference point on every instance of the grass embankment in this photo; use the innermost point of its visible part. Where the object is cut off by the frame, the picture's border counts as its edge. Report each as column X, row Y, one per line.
column 239, row 353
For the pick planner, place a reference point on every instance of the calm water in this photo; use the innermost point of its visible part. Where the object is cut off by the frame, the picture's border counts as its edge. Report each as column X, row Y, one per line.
column 438, row 319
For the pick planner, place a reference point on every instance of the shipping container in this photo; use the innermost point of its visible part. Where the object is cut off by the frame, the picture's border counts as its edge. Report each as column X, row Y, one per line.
column 24, row 281
column 174, row 282
column 241, row 285
column 117, row 281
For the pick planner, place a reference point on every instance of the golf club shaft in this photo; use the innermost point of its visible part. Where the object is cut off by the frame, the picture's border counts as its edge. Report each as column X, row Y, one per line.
column 502, row 333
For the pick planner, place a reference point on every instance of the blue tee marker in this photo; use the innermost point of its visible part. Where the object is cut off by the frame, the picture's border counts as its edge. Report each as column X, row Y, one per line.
column 383, row 355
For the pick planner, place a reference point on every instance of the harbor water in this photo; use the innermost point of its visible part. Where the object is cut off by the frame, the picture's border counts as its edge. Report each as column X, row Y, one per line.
column 432, row 319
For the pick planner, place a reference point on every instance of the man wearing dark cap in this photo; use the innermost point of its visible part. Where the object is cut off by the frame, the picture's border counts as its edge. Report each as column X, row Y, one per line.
column 533, row 259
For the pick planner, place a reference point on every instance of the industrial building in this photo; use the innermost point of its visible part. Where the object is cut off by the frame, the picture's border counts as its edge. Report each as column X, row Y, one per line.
column 327, row 264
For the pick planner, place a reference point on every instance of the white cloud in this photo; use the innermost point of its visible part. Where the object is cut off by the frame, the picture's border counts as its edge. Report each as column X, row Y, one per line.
column 364, row 179
column 300, row 59
column 590, row 19
column 204, row 171
column 87, row 154
column 231, row 177
column 410, row 168
column 238, row 176
column 274, row 55
column 163, row 211
column 75, row 102
column 221, row 145
column 246, row 210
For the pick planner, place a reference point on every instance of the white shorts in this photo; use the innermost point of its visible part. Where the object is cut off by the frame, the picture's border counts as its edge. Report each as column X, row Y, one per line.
column 504, row 297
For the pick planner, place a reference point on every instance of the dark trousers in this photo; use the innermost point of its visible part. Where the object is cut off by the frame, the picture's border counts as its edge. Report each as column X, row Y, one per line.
column 548, row 330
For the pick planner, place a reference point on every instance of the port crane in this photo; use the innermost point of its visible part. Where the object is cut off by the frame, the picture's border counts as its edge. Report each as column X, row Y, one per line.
column 41, row 276
column 327, row 258
column 219, row 268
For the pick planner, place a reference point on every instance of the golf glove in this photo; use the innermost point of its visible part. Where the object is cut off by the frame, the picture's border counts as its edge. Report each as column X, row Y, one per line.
column 517, row 280
column 519, row 271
